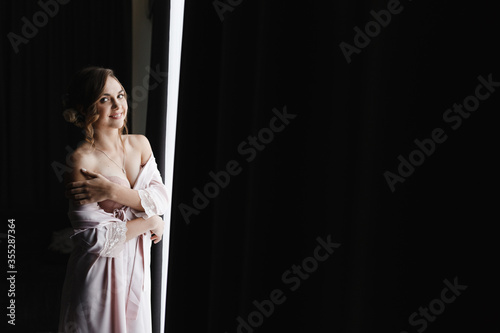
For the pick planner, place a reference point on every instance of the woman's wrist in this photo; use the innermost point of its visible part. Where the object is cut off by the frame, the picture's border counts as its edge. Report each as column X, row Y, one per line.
column 113, row 191
column 153, row 222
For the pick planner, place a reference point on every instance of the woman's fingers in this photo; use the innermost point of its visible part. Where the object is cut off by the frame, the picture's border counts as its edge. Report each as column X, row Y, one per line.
column 82, row 183
column 70, row 193
column 89, row 173
column 81, row 197
column 81, row 202
column 95, row 189
column 76, row 184
column 155, row 238
column 76, row 191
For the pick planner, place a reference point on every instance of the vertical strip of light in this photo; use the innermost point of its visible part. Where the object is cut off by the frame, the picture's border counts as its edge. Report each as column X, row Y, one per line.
column 174, row 65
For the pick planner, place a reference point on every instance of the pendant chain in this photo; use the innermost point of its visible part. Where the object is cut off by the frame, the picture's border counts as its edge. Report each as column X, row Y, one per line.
column 122, row 167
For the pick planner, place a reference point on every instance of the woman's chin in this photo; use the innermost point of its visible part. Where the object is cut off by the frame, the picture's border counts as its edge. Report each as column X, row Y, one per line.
column 116, row 124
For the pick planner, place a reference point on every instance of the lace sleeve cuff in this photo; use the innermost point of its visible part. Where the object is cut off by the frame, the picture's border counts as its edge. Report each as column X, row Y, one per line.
column 116, row 236
column 148, row 203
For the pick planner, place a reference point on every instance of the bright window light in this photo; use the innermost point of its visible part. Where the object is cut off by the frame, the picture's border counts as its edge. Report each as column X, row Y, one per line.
column 174, row 65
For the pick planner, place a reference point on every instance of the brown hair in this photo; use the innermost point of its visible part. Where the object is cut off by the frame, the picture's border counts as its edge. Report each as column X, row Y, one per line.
column 84, row 91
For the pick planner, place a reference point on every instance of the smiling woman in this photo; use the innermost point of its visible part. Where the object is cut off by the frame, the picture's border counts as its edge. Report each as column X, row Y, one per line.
column 87, row 94
column 116, row 196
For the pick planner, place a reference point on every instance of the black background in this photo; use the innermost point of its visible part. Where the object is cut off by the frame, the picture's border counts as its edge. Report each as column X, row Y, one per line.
column 322, row 175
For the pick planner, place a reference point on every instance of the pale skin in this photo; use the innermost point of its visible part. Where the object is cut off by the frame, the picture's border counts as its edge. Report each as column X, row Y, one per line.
column 86, row 183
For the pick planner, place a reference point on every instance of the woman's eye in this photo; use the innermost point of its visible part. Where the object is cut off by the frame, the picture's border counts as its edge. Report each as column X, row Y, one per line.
column 120, row 96
column 104, row 99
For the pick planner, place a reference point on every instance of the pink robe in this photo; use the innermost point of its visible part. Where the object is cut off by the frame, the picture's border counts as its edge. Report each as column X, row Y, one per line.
column 108, row 282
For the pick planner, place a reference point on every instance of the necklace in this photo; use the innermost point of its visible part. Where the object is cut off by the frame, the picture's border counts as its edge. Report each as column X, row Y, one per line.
column 122, row 167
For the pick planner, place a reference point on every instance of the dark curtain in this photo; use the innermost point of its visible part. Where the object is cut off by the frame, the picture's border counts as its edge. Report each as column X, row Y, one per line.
column 58, row 38
column 156, row 131
column 283, row 219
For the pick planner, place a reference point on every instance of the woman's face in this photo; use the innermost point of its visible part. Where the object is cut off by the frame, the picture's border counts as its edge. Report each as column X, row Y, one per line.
column 111, row 106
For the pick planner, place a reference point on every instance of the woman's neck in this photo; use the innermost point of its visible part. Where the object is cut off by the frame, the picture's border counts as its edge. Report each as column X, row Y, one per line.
column 109, row 141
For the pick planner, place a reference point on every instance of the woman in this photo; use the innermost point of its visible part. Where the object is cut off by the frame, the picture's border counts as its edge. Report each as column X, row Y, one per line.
column 116, row 196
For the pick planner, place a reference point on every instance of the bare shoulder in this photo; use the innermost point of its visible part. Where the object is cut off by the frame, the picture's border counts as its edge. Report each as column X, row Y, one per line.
column 140, row 143
column 82, row 157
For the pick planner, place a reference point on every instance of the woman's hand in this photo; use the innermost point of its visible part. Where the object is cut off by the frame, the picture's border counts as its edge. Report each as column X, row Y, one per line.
column 157, row 231
column 95, row 189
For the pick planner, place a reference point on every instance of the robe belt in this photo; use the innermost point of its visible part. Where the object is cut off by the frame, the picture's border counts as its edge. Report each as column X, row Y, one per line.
column 137, row 274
